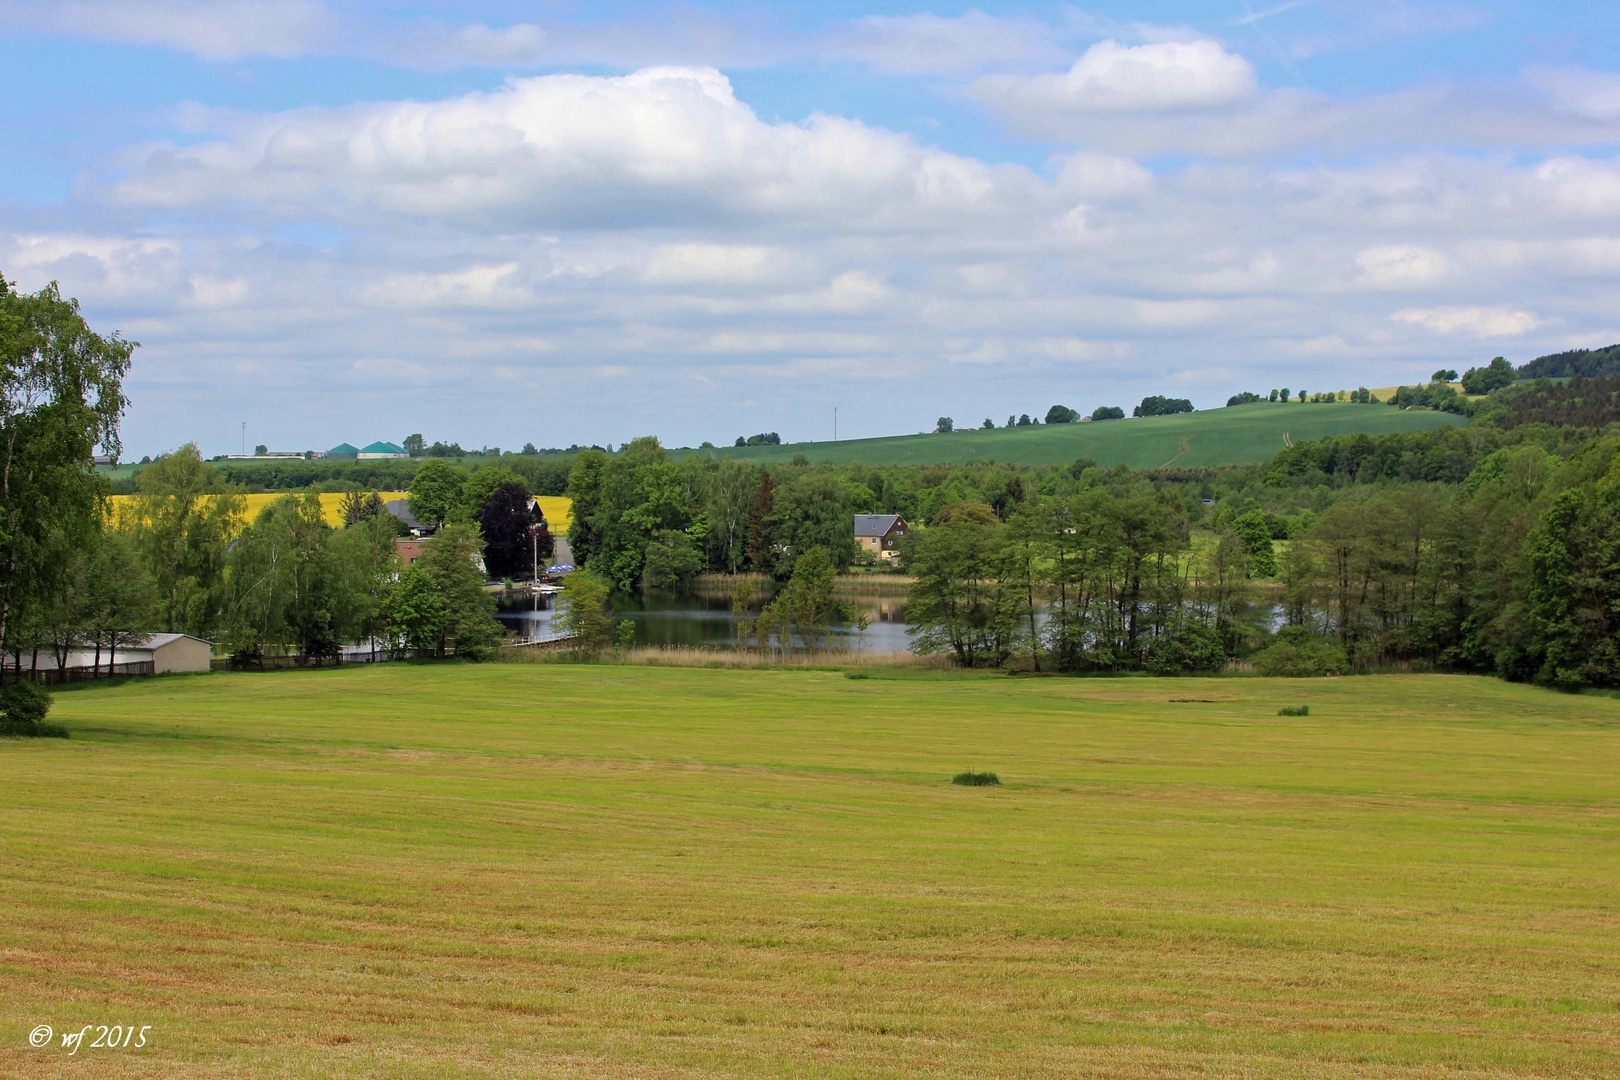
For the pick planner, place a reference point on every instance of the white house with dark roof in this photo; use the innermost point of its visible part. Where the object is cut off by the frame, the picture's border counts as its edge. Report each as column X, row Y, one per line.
column 877, row 534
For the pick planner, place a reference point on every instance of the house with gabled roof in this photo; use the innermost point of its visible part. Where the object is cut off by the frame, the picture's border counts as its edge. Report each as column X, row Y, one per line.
column 878, row 534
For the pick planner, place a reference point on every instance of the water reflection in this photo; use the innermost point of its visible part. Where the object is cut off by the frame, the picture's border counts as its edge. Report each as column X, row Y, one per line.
column 699, row 618
column 703, row 618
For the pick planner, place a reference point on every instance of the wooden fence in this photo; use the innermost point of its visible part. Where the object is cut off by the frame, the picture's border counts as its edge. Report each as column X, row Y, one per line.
column 55, row 676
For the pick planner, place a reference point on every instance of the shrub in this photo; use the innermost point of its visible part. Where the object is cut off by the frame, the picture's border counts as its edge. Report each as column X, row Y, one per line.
column 1297, row 659
column 976, row 779
column 1294, row 710
column 1195, row 647
column 856, row 675
column 23, row 706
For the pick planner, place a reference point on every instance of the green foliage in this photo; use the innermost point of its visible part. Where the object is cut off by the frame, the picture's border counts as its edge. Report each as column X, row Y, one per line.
column 460, row 614
column 417, row 613
column 1257, row 530
column 1574, row 586
column 1061, row 414
column 965, row 512
column 1192, row 646
column 61, row 393
column 623, row 504
column 1486, row 380
column 586, row 617
column 854, row 673
column 435, row 492
column 967, row 598
column 23, row 706
column 120, row 595
column 803, row 611
column 812, row 510
column 358, row 506
column 508, row 527
column 1247, row 398
column 1300, row 658
column 477, row 488
column 1299, row 710
column 672, row 559
column 1155, row 405
column 296, row 584
column 944, row 424
column 1576, row 363
column 183, row 516
column 976, row 779
column 1437, row 396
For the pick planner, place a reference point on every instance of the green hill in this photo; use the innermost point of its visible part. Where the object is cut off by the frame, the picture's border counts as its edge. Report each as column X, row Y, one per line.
column 1236, row 435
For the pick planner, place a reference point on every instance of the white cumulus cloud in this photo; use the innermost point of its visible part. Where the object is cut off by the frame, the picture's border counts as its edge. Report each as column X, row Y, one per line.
column 1480, row 322
column 664, row 144
column 1114, row 78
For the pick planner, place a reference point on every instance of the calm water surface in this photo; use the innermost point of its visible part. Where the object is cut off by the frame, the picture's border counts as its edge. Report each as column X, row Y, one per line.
column 697, row 619
column 704, row 619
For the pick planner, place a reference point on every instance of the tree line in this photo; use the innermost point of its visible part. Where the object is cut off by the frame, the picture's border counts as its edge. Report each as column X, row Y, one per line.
column 181, row 556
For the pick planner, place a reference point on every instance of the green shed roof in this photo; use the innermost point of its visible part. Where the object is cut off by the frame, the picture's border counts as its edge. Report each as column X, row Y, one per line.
column 382, row 448
column 342, row 448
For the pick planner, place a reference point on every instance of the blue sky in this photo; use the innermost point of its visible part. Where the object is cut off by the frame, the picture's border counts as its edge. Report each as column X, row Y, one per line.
column 555, row 222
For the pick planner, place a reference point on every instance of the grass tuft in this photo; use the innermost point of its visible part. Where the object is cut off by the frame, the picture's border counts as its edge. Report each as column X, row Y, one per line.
column 1294, row 710
column 857, row 674
column 976, row 779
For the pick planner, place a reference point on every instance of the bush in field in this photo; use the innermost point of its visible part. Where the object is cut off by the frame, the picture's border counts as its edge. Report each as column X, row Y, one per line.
column 23, row 706
column 976, row 779
column 1195, row 647
column 1294, row 710
column 1300, row 658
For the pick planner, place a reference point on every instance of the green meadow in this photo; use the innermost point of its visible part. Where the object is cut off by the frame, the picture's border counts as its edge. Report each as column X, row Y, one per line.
column 1241, row 434
column 594, row 871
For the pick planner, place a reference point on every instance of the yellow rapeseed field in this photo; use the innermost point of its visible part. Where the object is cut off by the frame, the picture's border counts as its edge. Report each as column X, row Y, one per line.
column 555, row 508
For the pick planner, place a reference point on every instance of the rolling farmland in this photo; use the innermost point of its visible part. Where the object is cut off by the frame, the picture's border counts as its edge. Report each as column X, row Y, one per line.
column 1238, row 435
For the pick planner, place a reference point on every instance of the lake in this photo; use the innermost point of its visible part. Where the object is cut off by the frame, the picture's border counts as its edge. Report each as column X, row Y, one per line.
column 700, row 618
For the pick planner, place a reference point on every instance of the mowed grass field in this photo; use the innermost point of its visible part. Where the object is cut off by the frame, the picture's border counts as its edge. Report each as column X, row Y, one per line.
column 1238, row 435
column 578, row 871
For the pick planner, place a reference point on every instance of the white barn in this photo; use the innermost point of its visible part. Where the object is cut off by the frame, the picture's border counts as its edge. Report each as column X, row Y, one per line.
column 165, row 652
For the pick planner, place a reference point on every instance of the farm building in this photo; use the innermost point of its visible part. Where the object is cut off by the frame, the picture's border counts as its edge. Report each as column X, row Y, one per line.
column 877, row 534
column 344, row 452
column 164, row 652
column 381, row 450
